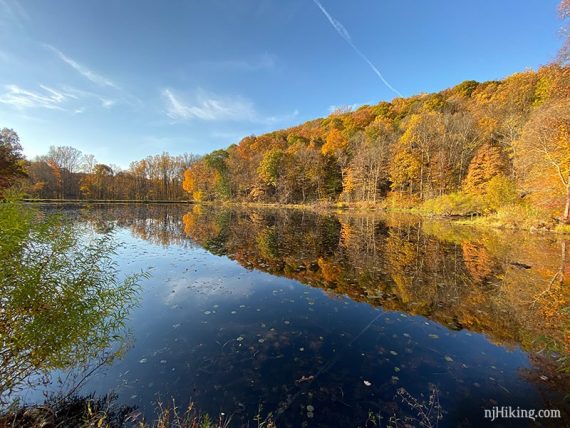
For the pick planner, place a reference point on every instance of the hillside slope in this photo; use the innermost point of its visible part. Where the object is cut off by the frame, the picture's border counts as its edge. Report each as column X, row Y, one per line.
column 486, row 144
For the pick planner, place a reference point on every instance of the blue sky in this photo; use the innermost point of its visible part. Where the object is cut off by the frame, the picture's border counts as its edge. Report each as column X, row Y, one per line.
column 124, row 79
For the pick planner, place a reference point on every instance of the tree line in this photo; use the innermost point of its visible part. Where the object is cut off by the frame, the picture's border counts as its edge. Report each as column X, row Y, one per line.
column 66, row 173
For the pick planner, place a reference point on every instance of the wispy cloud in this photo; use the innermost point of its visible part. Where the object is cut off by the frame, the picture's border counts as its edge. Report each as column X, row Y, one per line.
column 20, row 98
column 104, row 102
column 343, row 32
column 47, row 97
column 114, row 94
column 89, row 74
column 208, row 107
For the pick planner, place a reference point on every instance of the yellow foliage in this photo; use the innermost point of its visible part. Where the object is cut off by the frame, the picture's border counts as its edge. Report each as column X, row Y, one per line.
column 335, row 142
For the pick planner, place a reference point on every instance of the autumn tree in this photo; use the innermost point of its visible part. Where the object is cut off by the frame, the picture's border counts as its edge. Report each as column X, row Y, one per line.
column 368, row 177
column 216, row 162
column 489, row 161
column 412, row 165
column 64, row 160
column 11, row 158
column 544, row 153
column 337, row 146
column 200, row 181
column 271, row 169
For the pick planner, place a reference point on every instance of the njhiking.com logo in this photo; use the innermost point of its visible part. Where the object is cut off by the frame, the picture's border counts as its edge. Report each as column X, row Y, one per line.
column 508, row 412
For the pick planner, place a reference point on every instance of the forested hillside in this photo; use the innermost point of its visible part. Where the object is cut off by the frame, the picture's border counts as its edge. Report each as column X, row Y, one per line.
column 472, row 148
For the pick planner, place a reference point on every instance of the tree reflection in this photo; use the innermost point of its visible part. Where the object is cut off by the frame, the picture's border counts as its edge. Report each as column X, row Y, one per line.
column 513, row 287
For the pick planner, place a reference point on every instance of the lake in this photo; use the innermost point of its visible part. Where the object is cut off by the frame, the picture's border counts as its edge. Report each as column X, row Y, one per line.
column 334, row 319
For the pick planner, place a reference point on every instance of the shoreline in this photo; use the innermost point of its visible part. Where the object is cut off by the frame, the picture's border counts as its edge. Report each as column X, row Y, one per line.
column 477, row 221
column 103, row 201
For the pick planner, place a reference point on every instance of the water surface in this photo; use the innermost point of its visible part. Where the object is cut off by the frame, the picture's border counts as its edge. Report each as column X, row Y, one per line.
column 323, row 319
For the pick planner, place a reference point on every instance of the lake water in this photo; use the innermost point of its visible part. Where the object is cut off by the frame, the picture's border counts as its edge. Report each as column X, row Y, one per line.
column 323, row 319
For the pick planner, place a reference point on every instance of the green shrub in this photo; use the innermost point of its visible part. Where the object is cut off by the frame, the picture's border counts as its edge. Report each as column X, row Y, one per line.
column 62, row 301
column 500, row 192
column 454, row 204
column 563, row 228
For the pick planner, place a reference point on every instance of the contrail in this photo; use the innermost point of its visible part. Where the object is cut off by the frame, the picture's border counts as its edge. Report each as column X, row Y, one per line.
column 342, row 32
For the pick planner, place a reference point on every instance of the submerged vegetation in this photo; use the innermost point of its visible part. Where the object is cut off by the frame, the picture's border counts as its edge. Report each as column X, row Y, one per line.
column 96, row 412
column 104, row 412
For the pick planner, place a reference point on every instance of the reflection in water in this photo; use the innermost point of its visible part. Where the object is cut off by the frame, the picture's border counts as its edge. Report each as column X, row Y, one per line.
column 511, row 286
column 430, row 304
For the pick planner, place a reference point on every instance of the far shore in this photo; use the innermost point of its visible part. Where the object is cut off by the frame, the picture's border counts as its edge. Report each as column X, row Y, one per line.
column 103, row 201
column 484, row 221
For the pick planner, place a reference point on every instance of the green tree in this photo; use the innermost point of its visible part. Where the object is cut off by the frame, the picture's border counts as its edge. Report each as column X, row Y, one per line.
column 217, row 162
column 62, row 302
column 270, row 167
